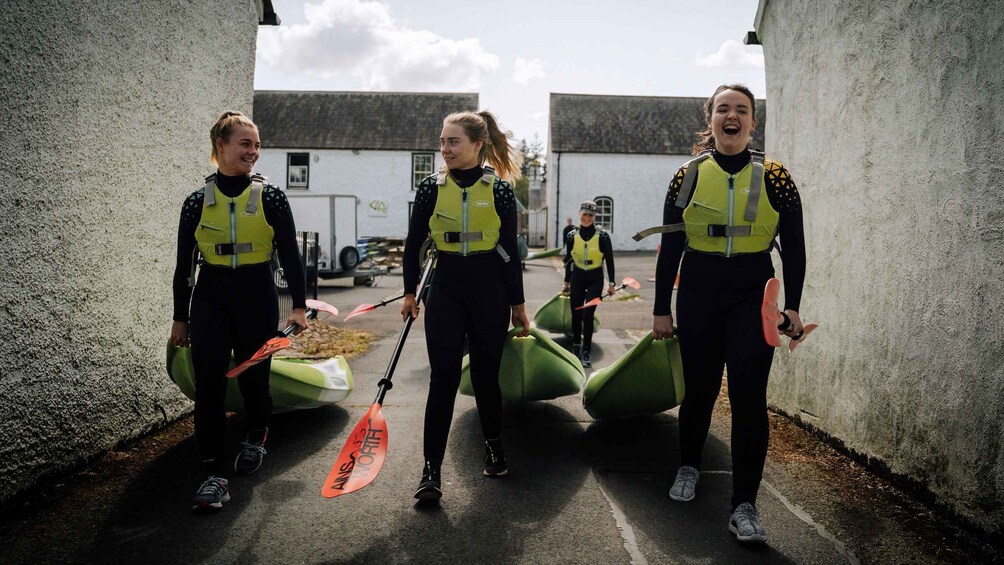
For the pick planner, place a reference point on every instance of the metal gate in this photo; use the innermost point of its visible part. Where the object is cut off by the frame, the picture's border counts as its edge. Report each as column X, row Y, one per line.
column 307, row 242
column 536, row 228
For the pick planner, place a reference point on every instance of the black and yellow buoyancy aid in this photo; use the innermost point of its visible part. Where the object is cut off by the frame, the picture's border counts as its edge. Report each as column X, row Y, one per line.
column 586, row 255
column 233, row 231
column 728, row 214
column 464, row 220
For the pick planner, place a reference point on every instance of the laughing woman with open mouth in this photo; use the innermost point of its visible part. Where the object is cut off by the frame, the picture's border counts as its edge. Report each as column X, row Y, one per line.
column 724, row 232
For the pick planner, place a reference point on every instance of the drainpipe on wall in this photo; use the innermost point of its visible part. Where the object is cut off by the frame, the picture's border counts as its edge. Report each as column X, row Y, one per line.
column 557, row 200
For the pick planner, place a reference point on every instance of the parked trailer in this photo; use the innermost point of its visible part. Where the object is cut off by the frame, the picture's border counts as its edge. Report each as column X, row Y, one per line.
column 333, row 217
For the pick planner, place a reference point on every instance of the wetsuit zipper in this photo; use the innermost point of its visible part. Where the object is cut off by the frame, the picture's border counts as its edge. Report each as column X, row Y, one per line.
column 463, row 221
column 233, row 234
column 728, row 222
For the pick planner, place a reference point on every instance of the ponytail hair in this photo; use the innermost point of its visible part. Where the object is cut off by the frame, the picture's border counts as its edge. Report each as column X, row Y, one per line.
column 224, row 127
column 496, row 149
column 706, row 138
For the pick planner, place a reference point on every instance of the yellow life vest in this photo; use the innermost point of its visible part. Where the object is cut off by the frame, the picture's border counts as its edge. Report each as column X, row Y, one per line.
column 233, row 231
column 728, row 214
column 586, row 254
column 464, row 220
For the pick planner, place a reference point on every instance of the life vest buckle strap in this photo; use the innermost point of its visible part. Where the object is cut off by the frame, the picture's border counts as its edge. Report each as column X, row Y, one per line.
column 722, row 230
column 670, row 228
column 756, row 182
column 462, row 236
column 689, row 177
column 233, row 248
column 210, row 192
column 502, row 253
column 488, row 175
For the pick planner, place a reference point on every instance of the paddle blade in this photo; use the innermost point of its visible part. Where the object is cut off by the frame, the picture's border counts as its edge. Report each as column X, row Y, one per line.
column 676, row 283
column 361, row 309
column 630, row 282
column 361, row 457
column 271, row 346
column 594, row 302
column 769, row 314
column 322, row 306
column 806, row 329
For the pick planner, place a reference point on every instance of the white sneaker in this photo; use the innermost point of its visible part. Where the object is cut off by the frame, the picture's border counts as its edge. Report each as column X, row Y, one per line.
column 685, row 484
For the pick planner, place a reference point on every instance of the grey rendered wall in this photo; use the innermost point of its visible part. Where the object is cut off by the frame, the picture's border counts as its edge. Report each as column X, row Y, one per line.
column 889, row 116
column 106, row 110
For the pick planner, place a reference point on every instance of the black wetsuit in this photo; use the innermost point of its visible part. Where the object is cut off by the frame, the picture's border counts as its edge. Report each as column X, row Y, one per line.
column 468, row 297
column 718, row 316
column 232, row 310
column 586, row 284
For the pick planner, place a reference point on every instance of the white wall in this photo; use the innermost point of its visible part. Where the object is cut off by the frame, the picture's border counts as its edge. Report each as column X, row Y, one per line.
column 889, row 115
column 382, row 180
column 106, row 111
column 636, row 183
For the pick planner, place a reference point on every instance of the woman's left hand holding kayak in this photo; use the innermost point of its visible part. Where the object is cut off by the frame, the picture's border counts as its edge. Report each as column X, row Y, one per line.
column 519, row 319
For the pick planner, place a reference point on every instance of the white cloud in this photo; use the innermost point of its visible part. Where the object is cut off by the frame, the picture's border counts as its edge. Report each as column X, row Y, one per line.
column 731, row 55
column 524, row 71
column 361, row 38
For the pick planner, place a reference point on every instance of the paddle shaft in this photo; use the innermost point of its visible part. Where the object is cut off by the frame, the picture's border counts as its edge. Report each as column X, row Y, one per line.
column 311, row 314
column 385, row 382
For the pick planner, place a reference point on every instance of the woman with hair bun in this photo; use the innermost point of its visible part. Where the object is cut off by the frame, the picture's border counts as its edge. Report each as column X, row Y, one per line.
column 469, row 211
column 722, row 213
column 232, row 225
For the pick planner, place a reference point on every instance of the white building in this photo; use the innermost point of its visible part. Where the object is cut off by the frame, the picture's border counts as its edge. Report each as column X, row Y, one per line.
column 620, row 151
column 373, row 145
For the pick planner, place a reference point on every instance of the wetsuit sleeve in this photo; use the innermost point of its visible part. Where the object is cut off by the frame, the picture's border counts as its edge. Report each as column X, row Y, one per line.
column 191, row 213
column 280, row 216
column 670, row 249
column 418, row 231
column 783, row 196
column 505, row 207
column 569, row 243
column 607, row 247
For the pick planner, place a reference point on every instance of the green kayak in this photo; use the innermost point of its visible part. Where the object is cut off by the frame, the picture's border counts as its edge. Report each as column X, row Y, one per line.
column 533, row 368
column 555, row 315
column 648, row 379
column 295, row 384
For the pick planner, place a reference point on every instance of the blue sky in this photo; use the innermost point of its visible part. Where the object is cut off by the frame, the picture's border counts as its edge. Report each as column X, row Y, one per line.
column 512, row 53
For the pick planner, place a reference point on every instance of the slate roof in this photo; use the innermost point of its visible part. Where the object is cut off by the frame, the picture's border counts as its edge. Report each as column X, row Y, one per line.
column 652, row 125
column 409, row 121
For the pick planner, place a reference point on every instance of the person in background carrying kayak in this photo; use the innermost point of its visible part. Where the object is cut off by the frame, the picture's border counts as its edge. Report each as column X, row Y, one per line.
column 470, row 213
column 714, row 211
column 586, row 249
column 234, row 222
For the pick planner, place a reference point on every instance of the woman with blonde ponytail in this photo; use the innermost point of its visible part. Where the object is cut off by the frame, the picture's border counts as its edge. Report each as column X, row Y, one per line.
column 469, row 211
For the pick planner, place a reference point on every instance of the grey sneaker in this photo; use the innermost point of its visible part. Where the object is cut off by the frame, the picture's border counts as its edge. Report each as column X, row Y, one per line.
column 587, row 360
column 745, row 524
column 249, row 458
column 685, row 484
column 211, row 495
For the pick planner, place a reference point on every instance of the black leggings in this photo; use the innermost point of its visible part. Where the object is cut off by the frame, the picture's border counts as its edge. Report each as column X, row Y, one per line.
column 452, row 312
column 718, row 316
column 232, row 310
column 584, row 286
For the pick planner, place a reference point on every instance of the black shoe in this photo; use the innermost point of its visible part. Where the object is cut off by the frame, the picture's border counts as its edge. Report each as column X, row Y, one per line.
column 429, row 488
column 249, row 458
column 586, row 360
column 577, row 351
column 495, row 459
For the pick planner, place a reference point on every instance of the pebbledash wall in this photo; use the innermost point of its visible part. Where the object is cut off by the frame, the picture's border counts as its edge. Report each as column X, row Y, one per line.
column 104, row 131
column 889, row 116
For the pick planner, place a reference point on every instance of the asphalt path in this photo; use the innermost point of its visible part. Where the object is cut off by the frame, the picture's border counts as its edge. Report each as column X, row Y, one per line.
column 579, row 491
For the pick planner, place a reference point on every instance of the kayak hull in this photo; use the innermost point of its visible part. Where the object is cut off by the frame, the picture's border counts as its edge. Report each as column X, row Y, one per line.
column 555, row 315
column 533, row 368
column 648, row 379
column 295, row 384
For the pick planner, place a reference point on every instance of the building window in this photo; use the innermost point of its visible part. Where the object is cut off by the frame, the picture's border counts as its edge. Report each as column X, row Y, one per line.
column 605, row 212
column 422, row 165
column 297, row 170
